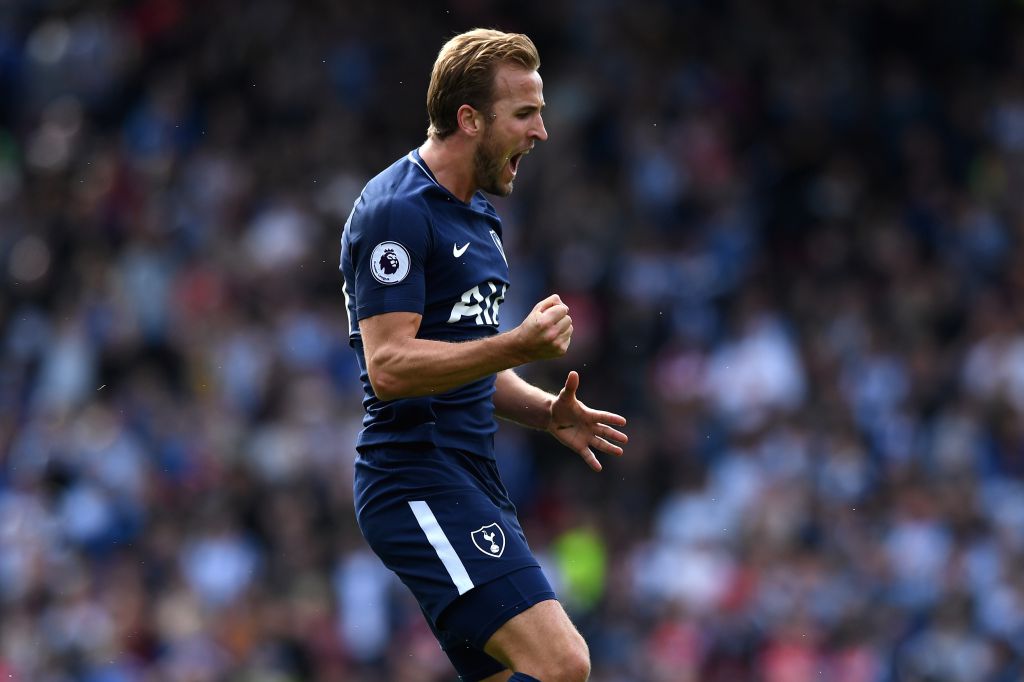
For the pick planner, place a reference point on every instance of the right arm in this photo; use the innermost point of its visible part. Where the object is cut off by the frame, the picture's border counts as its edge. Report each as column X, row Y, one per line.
column 403, row 366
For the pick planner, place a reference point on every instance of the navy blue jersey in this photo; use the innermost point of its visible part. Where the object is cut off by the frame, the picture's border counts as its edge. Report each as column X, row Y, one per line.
column 410, row 245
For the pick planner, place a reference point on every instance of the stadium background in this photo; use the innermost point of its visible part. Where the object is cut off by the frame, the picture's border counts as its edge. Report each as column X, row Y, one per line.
column 791, row 235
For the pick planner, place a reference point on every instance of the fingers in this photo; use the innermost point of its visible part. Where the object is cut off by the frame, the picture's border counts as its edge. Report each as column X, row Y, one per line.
column 590, row 458
column 549, row 328
column 609, row 433
column 565, row 337
column 559, row 334
column 555, row 313
column 558, row 323
column 606, row 446
column 551, row 300
column 600, row 420
column 609, row 418
column 572, row 382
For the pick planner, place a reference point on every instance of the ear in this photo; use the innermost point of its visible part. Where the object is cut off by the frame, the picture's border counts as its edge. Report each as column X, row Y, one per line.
column 470, row 120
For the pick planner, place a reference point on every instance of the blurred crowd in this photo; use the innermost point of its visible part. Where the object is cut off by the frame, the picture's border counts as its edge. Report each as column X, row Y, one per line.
column 791, row 237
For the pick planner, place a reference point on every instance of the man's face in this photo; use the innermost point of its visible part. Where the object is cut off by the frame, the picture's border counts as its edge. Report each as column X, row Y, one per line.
column 511, row 128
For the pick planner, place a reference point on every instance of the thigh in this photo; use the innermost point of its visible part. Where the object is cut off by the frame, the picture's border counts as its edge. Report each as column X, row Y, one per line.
column 538, row 634
column 477, row 615
column 465, row 627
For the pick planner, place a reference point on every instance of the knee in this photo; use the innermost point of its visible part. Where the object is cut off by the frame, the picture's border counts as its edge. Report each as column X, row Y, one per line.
column 577, row 667
column 572, row 664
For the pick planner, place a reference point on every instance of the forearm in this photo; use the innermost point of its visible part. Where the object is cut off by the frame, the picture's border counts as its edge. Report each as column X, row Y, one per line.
column 417, row 367
column 521, row 402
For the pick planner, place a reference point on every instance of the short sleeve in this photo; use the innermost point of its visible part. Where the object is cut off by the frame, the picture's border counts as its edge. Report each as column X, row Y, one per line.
column 388, row 241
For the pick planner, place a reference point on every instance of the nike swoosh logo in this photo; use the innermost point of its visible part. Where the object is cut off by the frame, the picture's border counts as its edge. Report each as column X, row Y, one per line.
column 457, row 252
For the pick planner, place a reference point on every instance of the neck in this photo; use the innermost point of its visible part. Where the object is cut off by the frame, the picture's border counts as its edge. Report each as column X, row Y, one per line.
column 451, row 162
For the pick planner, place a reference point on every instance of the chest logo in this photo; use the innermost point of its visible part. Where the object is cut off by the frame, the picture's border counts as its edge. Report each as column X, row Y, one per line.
column 389, row 262
column 457, row 251
column 490, row 540
column 480, row 303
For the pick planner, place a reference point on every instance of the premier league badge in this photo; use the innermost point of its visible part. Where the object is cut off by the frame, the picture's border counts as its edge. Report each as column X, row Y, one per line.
column 389, row 262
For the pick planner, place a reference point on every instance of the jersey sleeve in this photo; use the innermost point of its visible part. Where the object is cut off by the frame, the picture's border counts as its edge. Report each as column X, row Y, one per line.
column 389, row 243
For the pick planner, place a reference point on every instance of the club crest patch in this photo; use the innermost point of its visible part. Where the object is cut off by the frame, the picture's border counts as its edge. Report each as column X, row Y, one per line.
column 389, row 262
column 490, row 540
column 497, row 242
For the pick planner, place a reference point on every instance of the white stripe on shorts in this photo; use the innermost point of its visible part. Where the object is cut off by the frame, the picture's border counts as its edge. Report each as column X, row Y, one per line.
column 439, row 541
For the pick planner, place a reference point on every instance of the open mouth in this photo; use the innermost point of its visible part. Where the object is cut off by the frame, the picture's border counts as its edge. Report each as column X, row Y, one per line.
column 513, row 162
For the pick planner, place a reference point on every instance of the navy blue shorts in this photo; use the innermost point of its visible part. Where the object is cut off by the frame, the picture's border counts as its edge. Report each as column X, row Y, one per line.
column 443, row 522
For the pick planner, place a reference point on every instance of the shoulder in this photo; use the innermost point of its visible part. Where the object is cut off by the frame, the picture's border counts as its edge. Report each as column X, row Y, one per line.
column 395, row 195
column 400, row 184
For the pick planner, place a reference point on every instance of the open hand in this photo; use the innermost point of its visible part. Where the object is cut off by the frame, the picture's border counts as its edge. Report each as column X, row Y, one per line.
column 582, row 429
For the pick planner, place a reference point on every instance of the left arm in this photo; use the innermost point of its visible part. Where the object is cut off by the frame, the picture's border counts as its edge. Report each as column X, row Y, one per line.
column 572, row 423
column 521, row 402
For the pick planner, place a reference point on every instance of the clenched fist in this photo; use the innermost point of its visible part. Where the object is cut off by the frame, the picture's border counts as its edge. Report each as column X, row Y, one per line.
column 547, row 330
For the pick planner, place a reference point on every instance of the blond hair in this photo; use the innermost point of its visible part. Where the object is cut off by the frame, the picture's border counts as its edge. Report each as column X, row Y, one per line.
column 464, row 73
